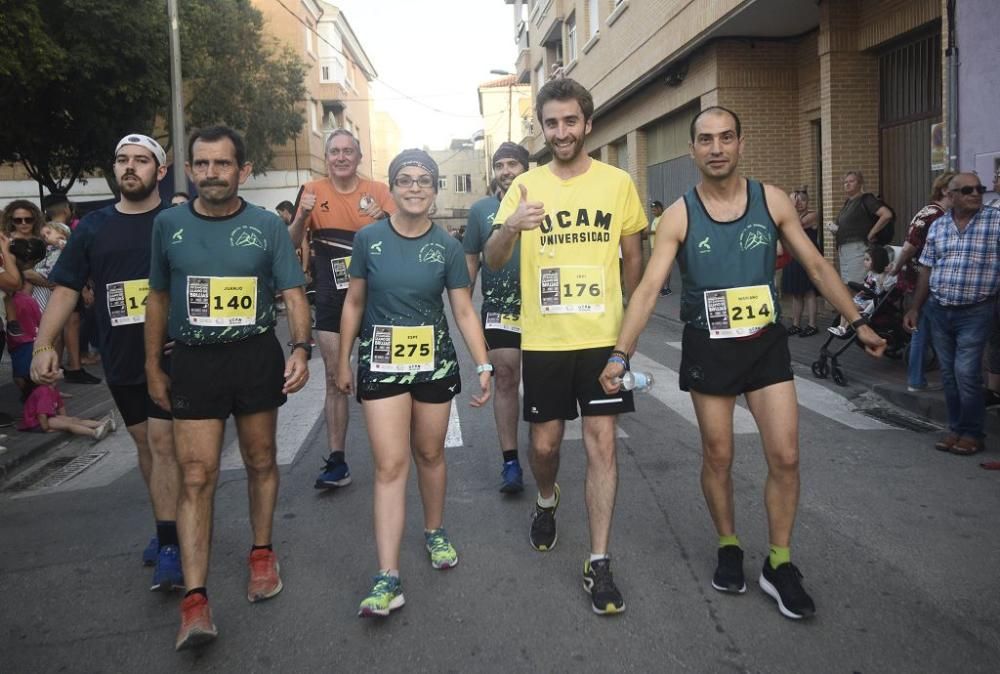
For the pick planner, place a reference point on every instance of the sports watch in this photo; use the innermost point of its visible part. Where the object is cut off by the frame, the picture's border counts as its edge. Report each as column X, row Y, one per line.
column 855, row 324
column 305, row 346
column 485, row 367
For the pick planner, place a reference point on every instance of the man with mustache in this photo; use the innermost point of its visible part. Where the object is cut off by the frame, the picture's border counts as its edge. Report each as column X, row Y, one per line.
column 112, row 247
column 217, row 264
column 333, row 209
column 571, row 216
column 501, row 311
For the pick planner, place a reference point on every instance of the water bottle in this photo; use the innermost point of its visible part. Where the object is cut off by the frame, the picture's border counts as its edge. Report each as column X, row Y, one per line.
column 636, row 381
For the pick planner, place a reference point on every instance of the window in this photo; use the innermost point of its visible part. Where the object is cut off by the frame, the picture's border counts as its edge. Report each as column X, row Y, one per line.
column 593, row 18
column 349, row 72
column 463, row 183
column 324, row 74
column 309, row 36
column 443, row 183
column 571, row 37
column 539, row 77
column 313, row 122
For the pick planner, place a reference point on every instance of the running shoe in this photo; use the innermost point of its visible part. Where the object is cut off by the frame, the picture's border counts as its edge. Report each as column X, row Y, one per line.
column 597, row 581
column 151, row 552
column 513, row 477
column 102, row 431
column 264, row 579
column 729, row 573
column 837, row 330
column 385, row 596
column 443, row 555
column 543, row 535
column 335, row 474
column 784, row 585
column 168, row 574
column 80, row 376
column 197, row 627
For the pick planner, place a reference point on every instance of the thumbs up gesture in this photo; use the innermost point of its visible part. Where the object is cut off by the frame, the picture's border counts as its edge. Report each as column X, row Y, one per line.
column 528, row 215
column 308, row 201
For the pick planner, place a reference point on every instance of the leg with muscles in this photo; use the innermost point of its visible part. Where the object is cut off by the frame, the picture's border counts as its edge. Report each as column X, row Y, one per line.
column 155, row 439
column 507, row 376
column 388, row 422
column 199, row 444
column 601, row 487
column 715, row 421
column 546, row 438
column 775, row 409
column 140, row 436
column 259, row 449
column 335, row 472
column 428, row 428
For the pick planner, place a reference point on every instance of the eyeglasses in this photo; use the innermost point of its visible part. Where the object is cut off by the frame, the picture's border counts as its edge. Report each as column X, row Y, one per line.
column 969, row 189
column 407, row 181
column 30, row 220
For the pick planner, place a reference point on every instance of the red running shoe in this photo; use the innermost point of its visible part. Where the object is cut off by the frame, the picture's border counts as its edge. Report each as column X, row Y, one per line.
column 197, row 627
column 264, row 579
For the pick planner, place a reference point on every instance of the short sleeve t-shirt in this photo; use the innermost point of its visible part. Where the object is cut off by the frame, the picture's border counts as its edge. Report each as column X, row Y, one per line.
column 29, row 316
column 571, row 296
column 42, row 400
column 857, row 217
column 501, row 288
column 404, row 334
column 916, row 236
column 336, row 217
column 112, row 249
column 221, row 273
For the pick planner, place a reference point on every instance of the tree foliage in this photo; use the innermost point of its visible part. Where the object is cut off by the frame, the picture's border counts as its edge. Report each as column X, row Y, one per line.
column 77, row 75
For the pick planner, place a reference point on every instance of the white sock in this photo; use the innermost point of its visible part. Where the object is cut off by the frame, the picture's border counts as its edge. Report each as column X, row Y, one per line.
column 594, row 557
column 389, row 572
column 549, row 502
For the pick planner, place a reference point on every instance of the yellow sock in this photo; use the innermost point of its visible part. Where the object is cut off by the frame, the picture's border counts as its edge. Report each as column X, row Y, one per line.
column 729, row 540
column 779, row 556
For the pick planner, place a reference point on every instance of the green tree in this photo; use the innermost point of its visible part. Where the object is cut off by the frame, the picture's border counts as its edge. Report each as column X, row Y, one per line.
column 76, row 75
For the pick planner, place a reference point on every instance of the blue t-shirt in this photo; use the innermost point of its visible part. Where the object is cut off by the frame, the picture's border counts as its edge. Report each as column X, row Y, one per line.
column 501, row 288
column 112, row 249
column 222, row 273
column 405, row 279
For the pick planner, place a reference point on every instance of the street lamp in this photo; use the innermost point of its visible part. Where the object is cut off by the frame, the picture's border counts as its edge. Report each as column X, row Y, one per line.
column 510, row 89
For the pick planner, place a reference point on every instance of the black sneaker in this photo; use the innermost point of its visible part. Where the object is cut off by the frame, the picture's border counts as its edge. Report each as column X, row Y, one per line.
column 784, row 584
column 597, row 581
column 543, row 535
column 991, row 398
column 80, row 376
column 729, row 573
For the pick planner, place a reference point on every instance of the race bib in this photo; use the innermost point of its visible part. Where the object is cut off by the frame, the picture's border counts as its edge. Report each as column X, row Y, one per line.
column 127, row 301
column 340, row 277
column 738, row 312
column 397, row 348
column 571, row 290
column 222, row 301
column 498, row 321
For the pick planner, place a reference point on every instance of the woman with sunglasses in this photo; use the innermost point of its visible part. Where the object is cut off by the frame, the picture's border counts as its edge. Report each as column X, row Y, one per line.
column 22, row 219
column 407, row 366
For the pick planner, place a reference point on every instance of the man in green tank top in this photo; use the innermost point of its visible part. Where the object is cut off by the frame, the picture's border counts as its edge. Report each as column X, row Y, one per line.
column 723, row 234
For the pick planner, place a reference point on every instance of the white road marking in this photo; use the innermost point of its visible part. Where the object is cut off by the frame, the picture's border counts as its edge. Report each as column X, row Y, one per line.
column 454, row 436
column 296, row 419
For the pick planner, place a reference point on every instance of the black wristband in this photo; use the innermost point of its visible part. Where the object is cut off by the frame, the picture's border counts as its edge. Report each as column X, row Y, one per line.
column 859, row 322
column 622, row 355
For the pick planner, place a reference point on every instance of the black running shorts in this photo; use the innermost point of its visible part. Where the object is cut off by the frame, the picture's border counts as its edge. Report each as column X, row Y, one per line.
column 729, row 367
column 135, row 405
column 212, row 381
column 436, row 391
column 329, row 304
column 556, row 382
column 502, row 339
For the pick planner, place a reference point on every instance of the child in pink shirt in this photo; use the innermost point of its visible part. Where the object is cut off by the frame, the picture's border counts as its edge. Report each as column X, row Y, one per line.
column 45, row 412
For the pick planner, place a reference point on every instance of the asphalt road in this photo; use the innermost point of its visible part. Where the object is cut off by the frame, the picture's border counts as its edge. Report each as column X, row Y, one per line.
column 897, row 544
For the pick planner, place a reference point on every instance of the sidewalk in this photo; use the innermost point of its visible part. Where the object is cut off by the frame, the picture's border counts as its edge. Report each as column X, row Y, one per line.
column 86, row 401
column 884, row 377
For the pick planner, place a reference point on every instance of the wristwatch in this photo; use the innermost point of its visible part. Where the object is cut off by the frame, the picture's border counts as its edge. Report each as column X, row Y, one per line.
column 859, row 322
column 485, row 367
column 305, row 346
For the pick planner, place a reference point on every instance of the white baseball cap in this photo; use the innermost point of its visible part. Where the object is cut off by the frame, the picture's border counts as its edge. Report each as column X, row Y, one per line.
column 146, row 142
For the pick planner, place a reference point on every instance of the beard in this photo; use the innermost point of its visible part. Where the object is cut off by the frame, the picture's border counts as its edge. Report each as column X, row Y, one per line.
column 575, row 149
column 136, row 192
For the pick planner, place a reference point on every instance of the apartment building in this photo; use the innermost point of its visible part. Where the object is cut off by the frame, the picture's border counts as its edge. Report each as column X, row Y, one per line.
column 821, row 87
column 338, row 75
column 507, row 114
column 462, row 181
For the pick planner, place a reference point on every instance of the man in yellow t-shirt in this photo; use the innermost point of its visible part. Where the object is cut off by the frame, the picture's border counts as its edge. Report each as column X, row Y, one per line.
column 571, row 215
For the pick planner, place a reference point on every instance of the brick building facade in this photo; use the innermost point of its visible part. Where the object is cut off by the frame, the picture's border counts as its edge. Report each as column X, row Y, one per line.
column 821, row 88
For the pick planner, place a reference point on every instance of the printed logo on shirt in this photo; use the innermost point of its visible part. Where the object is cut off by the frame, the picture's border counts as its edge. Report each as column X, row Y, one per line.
column 366, row 202
column 325, row 206
column 754, row 236
column 432, row 252
column 375, row 248
column 247, row 236
column 584, row 227
column 705, row 246
column 178, row 237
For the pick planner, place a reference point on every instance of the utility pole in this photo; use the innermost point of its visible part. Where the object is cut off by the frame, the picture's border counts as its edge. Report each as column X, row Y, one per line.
column 177, row 99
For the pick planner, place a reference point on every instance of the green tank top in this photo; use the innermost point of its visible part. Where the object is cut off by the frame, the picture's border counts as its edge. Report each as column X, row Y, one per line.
column 717, row 255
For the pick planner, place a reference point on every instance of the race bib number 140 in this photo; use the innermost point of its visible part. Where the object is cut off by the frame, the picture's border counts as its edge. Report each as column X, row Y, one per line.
column 222, row 301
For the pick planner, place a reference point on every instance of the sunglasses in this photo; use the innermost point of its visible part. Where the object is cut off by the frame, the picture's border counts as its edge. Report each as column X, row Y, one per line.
column 23, row 221
column 969, row 189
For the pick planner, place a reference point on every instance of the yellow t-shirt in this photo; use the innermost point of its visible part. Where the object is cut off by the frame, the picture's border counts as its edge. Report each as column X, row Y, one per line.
column 571, row 295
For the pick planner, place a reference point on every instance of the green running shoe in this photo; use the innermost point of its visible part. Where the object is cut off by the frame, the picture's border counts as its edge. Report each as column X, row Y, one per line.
column 386, row 595
column 443, row 555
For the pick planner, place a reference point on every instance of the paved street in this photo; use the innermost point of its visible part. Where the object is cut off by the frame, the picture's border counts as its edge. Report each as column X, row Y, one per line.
column 896, row 542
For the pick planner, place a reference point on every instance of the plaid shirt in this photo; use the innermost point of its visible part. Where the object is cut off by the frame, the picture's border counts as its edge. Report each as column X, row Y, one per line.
column 965, row 266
